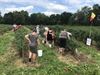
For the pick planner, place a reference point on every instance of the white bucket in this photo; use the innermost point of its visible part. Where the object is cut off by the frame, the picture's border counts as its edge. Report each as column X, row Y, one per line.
column 50, row 45
column 40, row 52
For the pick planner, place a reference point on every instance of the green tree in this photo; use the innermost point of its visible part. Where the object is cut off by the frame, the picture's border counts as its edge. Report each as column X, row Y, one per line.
column 8, row 18
column 96, row 10
column 52, row 19
column 1, row 19
column 81, row 17
column 18, row 17
column 33, row 18
column 58, row 19
column 25, row 16
column 65, row 17
column 39, row 18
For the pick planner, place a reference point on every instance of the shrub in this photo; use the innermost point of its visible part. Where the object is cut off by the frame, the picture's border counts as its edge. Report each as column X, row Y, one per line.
column 80, row 35
column 72, row 44
column 20, row 40
column 97, row 39
column 5, row 28
column 57, row 29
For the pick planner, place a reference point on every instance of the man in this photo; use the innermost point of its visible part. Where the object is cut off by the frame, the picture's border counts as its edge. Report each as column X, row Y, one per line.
column 33, row 43
column 64, row 35
column 45, row 35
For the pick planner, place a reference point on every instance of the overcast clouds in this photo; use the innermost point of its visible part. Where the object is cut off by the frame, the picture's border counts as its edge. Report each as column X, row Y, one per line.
column 45, row 6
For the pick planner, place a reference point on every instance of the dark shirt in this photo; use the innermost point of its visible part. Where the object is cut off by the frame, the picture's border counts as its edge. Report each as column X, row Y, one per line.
column 33, row 39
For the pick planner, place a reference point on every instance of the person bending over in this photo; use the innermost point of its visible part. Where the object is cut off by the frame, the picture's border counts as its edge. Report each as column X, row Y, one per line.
column 63, row 36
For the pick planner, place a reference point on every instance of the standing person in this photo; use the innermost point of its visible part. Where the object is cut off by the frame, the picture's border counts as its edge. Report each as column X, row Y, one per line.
column 49, row 36
column 33, row 43
column 37, row 29
column 64, row 35
column 45, row 35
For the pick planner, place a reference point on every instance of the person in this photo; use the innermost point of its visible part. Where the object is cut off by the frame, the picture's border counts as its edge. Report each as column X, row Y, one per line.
column 45, row 35
column 37, row 29
column 18, row 26
column 50, row 37
column 33, row 43
column 14, row 27
column 63, row 36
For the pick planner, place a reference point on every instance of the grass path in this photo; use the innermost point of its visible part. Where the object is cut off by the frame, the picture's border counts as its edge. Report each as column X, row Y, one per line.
column 9, row 58
column 6, row 51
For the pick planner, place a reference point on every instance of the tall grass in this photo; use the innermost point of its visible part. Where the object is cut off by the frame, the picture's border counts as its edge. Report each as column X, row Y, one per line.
column 4, row 41
column 4, row 28
column 21, row 43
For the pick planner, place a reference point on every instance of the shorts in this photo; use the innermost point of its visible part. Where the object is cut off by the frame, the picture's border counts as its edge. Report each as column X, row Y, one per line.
column 62, row 42
column 49, row 39
column 33, row 49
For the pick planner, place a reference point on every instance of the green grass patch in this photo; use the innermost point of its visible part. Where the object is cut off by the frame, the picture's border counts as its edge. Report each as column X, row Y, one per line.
column 5, row 40
column 4, row 28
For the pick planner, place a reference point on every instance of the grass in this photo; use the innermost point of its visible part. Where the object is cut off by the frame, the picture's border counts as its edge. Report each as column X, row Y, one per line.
column 49, row 62
column 4, row 28
column 5, row 40
column 91, row 52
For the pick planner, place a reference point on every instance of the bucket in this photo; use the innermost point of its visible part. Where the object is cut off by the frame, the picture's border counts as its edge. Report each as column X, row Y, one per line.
column 40, row 53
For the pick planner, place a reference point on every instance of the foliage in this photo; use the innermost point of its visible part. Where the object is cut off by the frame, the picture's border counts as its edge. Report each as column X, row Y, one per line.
column 97, row 39
column 1, row 19
column 72, row 44
column 5, row 39
column 4, row 28
column 16, row 17
column 50, row 65
column 49, row 62
column 81, row 17
column 80, row 35
column 20, row 40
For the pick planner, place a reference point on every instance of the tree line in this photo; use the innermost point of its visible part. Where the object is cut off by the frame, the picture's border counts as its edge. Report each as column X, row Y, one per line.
column 81, row 17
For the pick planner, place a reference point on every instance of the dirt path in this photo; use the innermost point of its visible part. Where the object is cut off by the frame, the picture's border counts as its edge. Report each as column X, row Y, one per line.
column 76, row 59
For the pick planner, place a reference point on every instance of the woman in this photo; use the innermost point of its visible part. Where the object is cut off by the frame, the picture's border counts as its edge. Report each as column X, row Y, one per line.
column 49, row 36
column 33, row 43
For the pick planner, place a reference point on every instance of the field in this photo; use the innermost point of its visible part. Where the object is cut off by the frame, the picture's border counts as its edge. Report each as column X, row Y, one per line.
column 85, row 62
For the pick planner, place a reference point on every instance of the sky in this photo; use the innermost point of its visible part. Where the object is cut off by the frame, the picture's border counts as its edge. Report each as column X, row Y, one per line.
column 47, row 7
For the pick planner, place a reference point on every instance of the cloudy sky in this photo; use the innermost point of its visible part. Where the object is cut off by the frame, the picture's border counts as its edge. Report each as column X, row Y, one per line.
column 44, row 6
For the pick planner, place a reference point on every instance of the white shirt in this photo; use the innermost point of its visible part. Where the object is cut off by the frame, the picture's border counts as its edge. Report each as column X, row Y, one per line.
column 14, row 25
